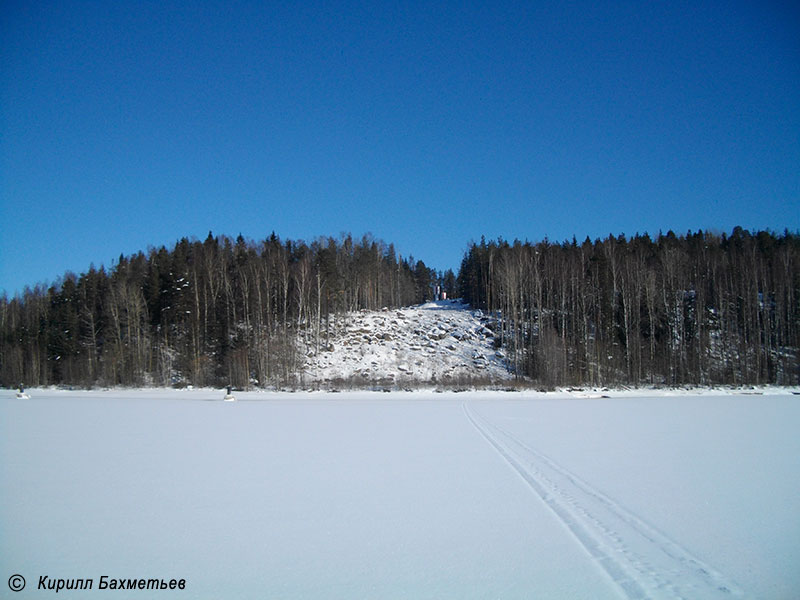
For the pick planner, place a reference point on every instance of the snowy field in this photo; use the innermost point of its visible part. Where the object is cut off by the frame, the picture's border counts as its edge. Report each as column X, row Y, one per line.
column 403, row 495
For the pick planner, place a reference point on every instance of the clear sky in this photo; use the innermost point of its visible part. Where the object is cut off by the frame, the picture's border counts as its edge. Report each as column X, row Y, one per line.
column 125, row 125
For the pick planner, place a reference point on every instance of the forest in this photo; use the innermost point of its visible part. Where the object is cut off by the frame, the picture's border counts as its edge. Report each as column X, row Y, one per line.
column 217, row 312
column 696, row 309
column 699, row 309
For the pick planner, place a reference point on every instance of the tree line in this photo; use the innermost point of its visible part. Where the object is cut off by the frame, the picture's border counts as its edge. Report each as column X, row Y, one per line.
column 216, row 312
column 701, row 308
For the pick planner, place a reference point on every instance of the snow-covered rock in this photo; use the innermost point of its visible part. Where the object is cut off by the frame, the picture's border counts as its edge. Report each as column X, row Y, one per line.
column 437, row 341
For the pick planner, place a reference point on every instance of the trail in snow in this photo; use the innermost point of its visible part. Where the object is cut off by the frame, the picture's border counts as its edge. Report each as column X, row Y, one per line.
column 440, row 341
column 642, row 561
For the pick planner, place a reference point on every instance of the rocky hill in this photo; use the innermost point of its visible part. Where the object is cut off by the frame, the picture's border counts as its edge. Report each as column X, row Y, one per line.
column 442, row 342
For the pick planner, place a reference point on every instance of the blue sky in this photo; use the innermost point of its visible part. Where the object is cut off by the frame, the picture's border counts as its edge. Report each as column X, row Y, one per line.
column 125, row 125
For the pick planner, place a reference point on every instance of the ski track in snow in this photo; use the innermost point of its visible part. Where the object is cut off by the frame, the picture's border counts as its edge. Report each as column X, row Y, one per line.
column 642, row 561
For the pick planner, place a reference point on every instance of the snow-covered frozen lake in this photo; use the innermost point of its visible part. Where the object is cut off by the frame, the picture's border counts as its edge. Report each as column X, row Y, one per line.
column 404, row 495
